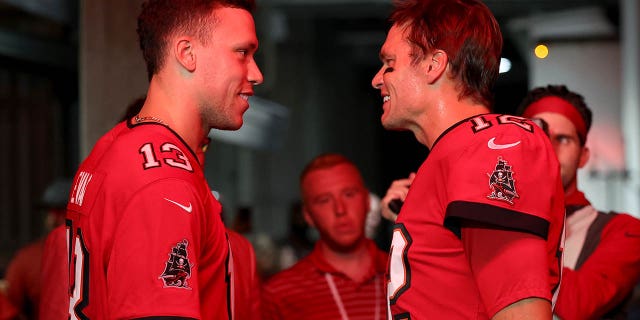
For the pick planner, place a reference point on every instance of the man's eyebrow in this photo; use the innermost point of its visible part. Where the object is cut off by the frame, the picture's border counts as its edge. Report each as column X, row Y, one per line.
column 249, row 44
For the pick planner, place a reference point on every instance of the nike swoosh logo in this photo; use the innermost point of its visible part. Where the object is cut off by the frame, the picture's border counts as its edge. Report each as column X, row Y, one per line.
column 492, row 145
column 183, row 207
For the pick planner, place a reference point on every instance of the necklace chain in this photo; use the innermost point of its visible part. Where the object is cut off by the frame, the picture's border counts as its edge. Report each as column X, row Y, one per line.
column 139, row 119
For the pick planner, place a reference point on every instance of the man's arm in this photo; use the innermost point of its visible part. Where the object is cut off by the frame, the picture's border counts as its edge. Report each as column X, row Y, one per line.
column 530, row 308
column 511, row 271
column 54, row 274
column 607, row 276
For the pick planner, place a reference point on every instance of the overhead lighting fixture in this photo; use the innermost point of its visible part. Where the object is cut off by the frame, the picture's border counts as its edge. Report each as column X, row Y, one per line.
column 505, row 65
column 541, row 51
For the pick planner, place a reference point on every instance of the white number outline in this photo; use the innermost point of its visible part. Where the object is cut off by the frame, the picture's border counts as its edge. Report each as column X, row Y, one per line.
column 399, row 268
column 181, row 162
column 518, row 121
column 78, row 293
column 480, row 123
column 151, row 160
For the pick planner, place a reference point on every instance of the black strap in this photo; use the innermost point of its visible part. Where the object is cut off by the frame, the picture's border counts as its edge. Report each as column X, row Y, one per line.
column 593, row 236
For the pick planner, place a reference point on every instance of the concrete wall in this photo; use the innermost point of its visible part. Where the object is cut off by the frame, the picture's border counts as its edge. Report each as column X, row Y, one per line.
column 112, row 71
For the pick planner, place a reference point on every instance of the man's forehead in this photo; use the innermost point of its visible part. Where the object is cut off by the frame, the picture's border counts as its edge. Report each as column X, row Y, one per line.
column 396, row 37
column 342, row 172
column 557, row 122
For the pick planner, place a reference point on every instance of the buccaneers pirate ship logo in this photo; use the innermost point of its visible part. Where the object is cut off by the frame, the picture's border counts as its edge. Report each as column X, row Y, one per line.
column 178, row 267
column 502, row 183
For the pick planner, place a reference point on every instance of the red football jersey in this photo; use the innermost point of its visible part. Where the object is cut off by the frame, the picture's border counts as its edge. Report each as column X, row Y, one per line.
column 54, row 275
column 145, row 232
column 492, row 169
column 23, row 279
column 245, row 281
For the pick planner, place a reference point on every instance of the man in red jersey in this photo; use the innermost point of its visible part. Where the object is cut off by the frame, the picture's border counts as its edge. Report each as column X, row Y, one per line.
column 146, row 238
column 479, row 234
column 24, row 283
column 602, row 250
column 7, row 310
column 343, row 277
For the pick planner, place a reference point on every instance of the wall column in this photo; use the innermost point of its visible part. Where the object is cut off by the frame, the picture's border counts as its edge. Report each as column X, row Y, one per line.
column 630, row 99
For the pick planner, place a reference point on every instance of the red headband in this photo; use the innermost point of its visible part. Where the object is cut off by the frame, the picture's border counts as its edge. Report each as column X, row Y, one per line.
column 558, row 105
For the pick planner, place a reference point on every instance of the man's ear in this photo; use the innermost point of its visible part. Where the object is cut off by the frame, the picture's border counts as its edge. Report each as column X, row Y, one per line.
column 436, row 65
column 585, row 153
column 307, row 216
column 185, row 53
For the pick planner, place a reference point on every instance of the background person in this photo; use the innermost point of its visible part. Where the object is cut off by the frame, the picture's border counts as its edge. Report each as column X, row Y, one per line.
column 602, row 249
column 23, row 277
column 343, row 277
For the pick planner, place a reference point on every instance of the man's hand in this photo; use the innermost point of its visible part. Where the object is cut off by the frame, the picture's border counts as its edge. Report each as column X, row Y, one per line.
column 397, row 190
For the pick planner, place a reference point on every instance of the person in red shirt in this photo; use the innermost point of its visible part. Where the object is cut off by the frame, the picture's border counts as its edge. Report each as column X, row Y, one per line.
column 24, row 281
column 246, row 280
column 343, row 277
column 602, row 250
column 7, row 310
column 145, row 233
column 479, row 234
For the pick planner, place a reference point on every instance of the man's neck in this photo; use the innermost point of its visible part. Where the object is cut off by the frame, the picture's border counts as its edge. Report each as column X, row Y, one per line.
column 446, row 112
column 350, row 263
column 571, row 189
column 175, row 109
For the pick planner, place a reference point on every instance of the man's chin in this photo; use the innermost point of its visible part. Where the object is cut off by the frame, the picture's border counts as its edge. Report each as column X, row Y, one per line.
column 387, row 122
column 392, row 126
column 346, row 245
column 232, row 126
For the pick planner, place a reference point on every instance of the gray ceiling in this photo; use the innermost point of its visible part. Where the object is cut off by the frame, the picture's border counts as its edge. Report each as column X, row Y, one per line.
column 46, row 30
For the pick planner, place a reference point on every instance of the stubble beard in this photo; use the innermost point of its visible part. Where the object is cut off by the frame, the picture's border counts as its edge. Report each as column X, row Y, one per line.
column 216, row 117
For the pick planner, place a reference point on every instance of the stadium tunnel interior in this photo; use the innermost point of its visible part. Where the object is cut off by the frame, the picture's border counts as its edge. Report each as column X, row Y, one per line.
column 69, row 68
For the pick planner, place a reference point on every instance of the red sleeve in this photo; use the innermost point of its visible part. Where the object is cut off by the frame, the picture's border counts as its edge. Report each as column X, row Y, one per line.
column 16, row 291
column 7, row 310
column 54, row 295
column 246, row 285
column 255, row 287
column 607, row 276
column 508, row 266
column 160, row 224
column 23, row 277
column 512, row 187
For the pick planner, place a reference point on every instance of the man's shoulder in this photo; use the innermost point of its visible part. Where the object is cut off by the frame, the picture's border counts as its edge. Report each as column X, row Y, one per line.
column 128, row 160
column 490, row 133
column 135, row 141
column 240, row 245
column 625, row 221
column 146, row 152
column 29, row 252
column 284, row 280
column 379, row 256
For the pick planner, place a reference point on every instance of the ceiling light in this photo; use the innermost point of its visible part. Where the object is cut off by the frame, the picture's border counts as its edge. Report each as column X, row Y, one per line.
column 541, row 51
column 505, row 65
